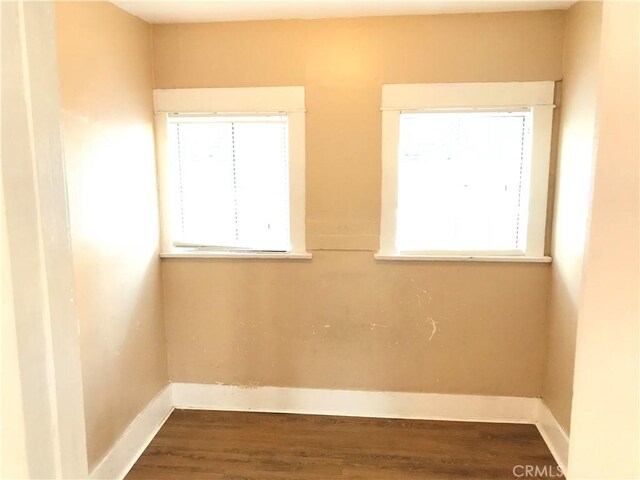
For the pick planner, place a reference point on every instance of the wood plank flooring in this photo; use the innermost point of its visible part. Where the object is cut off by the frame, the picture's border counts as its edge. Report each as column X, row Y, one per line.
column 198, row 445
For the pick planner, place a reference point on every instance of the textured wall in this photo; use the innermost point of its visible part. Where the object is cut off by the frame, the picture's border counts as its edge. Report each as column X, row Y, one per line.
column 345, row 321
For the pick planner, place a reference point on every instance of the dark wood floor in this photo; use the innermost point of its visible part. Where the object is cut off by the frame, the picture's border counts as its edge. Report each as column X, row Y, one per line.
column 250, row 446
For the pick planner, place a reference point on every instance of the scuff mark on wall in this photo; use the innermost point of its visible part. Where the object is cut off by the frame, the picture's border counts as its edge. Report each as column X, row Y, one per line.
column 434, row 327
column 248, row 386
column 420, row 293
column 377, row 325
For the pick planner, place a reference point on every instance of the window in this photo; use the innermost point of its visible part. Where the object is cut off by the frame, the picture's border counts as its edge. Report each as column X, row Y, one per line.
column 465, row 170
column 230, row 185
column 232, row 171
column 461, row 178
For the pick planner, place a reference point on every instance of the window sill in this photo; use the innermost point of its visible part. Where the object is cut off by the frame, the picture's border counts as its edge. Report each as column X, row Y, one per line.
column 462, row 258
column 244, row 255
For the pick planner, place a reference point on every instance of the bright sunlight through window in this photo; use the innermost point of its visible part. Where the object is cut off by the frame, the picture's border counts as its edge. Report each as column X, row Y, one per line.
column 463, row 181
column 231, row 172
column 465, row 171
column 230, row 185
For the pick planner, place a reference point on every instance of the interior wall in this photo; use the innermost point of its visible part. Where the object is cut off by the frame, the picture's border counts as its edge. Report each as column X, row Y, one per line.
column 106, row 90
column 576, row 156
column 43, row 428
column 606, row 403
column 344, row 320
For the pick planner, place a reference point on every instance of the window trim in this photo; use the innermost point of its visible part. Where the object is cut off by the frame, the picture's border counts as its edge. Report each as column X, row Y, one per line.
column 406, row 98
column 289, row 101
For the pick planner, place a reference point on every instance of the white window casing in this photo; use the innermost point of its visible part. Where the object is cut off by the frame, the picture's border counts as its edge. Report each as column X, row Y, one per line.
column 289, row 101
column 537, row 97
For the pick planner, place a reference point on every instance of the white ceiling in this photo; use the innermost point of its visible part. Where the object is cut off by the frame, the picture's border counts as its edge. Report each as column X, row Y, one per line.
column 192, row 11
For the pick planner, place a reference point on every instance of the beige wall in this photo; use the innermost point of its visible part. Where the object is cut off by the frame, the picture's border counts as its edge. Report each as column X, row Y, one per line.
column 106, row 89
column 344, row 320
column 606, row 404
column 576, row 156
column 342, row 64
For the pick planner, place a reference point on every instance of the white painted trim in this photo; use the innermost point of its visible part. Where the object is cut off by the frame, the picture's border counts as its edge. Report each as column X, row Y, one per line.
column 428, row 406
column 164, row 181
column 229, row 100
column 287, row 100
column 297, row 178
column 128, row 448
column 463, row 258
column 451, row 96
column 553, row 435
column 466, row 95
column 248, row 255
column 542, row 122
column 352, row 403
column 389, row 193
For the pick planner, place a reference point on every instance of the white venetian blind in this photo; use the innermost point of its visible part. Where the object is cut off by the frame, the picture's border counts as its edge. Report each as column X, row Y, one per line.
column 463, row 181
column 229, row 181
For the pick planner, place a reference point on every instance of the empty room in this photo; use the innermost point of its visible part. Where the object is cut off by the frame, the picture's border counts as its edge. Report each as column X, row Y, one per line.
column 320, row 239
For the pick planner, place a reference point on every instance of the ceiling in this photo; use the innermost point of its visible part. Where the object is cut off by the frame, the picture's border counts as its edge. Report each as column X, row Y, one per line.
column 193, row 11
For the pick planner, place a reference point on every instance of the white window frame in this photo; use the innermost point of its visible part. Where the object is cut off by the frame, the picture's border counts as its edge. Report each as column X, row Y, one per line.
column 405, row 98
column 289, row 101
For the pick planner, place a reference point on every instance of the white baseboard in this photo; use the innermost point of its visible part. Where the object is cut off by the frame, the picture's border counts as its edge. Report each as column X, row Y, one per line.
column 421, row 406
column 128, row 448
column 427, row 406
column 553, row 435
